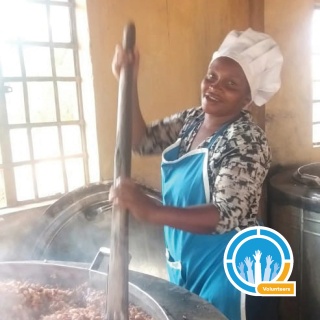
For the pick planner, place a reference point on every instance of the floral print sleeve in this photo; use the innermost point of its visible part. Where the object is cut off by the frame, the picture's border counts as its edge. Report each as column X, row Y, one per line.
column 237, row 187
column 238, row 165
column 161, row 134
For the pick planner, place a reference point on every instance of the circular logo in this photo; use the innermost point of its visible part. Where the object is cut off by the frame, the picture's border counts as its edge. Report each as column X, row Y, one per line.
column 255, row 256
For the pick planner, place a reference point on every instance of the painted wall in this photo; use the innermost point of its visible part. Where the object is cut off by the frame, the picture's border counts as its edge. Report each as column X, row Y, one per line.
column 176, row 39
column 289, row 114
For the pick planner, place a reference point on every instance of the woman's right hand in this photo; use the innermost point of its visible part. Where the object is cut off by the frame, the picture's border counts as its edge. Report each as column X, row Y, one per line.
column 128, row 195
column 122, row 58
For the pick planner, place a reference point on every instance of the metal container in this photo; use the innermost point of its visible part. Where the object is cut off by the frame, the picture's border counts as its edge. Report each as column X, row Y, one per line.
column 157, row 297
column 294, row 200
column 75, row 226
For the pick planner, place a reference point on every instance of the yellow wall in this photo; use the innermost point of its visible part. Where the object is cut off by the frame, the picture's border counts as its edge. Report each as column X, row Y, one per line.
column 176, row 39
column 289, row 114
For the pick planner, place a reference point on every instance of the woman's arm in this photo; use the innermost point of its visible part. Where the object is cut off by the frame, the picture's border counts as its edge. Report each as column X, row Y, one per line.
column 121, row 59
column 237, row 188
column 197, row 219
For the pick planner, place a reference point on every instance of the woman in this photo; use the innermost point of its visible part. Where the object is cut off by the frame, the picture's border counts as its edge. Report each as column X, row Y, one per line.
column 214, row 162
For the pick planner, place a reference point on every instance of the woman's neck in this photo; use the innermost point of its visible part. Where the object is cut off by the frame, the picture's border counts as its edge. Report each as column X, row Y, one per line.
column 213, row 123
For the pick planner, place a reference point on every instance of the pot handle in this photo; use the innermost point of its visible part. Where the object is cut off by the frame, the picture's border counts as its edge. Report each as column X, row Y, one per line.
column 310, row 177
column 103, row 253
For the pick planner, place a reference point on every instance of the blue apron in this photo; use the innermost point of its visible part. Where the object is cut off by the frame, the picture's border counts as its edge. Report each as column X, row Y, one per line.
column 195, row 261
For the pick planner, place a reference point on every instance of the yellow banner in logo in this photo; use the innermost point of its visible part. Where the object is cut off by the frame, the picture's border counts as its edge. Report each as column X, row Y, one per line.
column 278, row 288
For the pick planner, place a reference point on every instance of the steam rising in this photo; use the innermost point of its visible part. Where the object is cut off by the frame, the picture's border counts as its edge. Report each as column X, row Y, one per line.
column 76, row 232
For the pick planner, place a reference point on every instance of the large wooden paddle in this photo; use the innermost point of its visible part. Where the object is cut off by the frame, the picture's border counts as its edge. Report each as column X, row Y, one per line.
column 117, row 288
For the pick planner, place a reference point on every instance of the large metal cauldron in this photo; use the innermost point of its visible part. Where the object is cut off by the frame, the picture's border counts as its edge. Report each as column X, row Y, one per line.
column 159, row 298
column 79, row 223
column 74, row 228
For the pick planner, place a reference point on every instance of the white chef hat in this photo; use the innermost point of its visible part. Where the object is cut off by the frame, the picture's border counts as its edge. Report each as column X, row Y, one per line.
column 260, row 58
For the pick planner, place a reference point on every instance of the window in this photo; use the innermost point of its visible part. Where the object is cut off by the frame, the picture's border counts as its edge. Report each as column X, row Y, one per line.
column 316, row 76
column 43, row 134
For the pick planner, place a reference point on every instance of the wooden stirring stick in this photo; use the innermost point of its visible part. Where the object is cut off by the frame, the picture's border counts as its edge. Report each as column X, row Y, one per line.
column 117, row 288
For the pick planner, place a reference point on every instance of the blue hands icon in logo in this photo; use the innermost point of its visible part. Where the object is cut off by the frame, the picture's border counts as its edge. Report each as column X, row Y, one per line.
column 256, row 259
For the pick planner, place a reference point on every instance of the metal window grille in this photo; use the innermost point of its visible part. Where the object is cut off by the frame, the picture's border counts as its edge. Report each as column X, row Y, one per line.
column 42, row 128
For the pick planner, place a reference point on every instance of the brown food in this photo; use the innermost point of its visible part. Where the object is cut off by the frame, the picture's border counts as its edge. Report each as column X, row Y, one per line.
column 30, row 301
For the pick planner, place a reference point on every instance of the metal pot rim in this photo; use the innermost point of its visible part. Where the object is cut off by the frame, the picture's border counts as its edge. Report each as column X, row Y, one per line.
column 30, row 270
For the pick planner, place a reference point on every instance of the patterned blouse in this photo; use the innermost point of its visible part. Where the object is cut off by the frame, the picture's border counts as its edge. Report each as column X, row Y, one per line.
column 238, row 162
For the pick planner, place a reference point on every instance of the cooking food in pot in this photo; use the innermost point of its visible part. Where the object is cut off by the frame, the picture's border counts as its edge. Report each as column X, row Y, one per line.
column 31, row 301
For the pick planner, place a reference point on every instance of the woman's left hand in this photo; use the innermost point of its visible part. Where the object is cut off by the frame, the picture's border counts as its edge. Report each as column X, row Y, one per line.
column 128, row 195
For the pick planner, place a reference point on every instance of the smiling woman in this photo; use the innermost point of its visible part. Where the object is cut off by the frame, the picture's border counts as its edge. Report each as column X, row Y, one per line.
column 214, row 162
column 225, row 77
column 44, row 131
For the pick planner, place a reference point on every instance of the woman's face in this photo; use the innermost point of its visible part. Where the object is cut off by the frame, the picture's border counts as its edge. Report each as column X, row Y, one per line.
column 225, row 89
